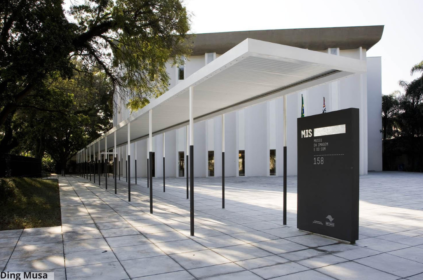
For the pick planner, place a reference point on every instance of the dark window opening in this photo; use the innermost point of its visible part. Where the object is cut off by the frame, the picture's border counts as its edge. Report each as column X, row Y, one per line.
column 272, row 162
column 181, row 164
column 241, row 163
column 211, row 163
column 181, row 72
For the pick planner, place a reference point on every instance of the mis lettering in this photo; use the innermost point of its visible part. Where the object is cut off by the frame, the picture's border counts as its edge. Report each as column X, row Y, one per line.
column 306, row 133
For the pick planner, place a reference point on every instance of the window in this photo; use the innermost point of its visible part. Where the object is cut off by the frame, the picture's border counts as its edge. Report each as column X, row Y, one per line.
column 272, row 162
column 211, row 163
column 181, row 72
column 181, row 164
column 210, row 57
column 241, row 163
column 334, row 51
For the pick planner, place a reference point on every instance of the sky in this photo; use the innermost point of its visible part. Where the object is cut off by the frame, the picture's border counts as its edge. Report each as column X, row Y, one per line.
column 401, row 46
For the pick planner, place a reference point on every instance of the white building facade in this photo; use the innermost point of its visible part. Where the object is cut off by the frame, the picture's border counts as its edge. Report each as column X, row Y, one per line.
column 254, row 135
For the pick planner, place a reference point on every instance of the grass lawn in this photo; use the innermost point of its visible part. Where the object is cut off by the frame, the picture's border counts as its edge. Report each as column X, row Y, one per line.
column 28, row 203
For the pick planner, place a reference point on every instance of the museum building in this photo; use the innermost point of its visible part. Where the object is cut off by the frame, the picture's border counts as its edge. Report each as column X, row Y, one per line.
column 254, row 134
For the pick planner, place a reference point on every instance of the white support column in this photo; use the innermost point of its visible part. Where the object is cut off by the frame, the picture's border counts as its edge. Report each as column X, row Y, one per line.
column 164, row 145
column 128, row 165
column 129, row 139
column 99, row 162
column 223, row 133
column 150, row 130
column 187, row 171
column 94, row 161
column 223, row 161
column 285, row 161
column 135, row 162
column 188, row 141
column 150, row 149
column 164, row 162
column 284, row 120
column 115, row 161
column 106, row 161
column 191, row 117
column 191, row 162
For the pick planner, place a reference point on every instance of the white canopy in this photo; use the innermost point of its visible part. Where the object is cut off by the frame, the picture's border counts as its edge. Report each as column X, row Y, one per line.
column 251, row 72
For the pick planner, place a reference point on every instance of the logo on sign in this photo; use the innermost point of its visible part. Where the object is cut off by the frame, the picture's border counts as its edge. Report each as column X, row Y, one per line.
column 307, row 133
column 330, row 222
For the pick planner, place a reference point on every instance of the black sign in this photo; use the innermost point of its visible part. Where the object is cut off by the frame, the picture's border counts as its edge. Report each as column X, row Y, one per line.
column 328, row 174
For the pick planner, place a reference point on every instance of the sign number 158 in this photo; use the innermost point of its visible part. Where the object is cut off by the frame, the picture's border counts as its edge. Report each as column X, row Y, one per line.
column 319, row 161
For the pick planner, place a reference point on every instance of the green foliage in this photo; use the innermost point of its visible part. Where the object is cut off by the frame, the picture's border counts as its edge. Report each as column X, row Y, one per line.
column 131, row 41
column 402, row 118
column 47, row 163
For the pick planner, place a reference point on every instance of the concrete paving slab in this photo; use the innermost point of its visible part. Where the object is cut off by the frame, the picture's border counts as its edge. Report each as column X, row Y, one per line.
column 302, row 255
column 321, row 261
column 393, row 264
column 216, row 270
column 243, row 275
column 137, row 252
column 279, row 246
column 150, row 266
column 179, row 275
column 10, row 233
column 8, row 242
column 279, row 270
column 414, row 254
column 84, row 245
column 305, row 275
column 101, row 271
column 81, row 258
column 129, row 240
column 182, row 246
column 261, row 262
column 199, row 259
column 352, row 270
column 46, row 263
column 242, row 252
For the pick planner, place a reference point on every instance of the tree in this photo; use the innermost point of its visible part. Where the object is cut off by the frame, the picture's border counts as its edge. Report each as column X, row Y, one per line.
column 63, row 117
column 402, row 118
column 131, row 41
column 389, row 112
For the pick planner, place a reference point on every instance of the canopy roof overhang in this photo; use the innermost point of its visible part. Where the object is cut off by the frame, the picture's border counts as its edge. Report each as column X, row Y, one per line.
column 252, row 72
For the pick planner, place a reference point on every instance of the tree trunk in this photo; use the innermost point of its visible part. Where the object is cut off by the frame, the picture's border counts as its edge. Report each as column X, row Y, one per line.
column 9, row 141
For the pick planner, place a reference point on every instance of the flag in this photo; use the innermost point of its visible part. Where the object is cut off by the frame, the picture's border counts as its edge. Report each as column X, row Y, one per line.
column 324, row 106
column 302, row 106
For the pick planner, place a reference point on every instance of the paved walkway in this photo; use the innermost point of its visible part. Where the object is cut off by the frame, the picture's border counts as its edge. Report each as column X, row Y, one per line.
column 105, row 237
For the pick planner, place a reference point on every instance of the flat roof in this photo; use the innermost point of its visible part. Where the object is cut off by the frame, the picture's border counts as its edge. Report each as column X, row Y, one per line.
column 252, row 72
column 305, row 38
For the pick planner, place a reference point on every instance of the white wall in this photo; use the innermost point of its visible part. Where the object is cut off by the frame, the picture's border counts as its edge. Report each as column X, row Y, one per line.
column 231, row 146
column 200, row 150
column 374, row 112
column 256, row 137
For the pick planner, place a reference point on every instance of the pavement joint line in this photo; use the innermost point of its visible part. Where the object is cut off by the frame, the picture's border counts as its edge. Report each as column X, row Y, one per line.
column 14, row 247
